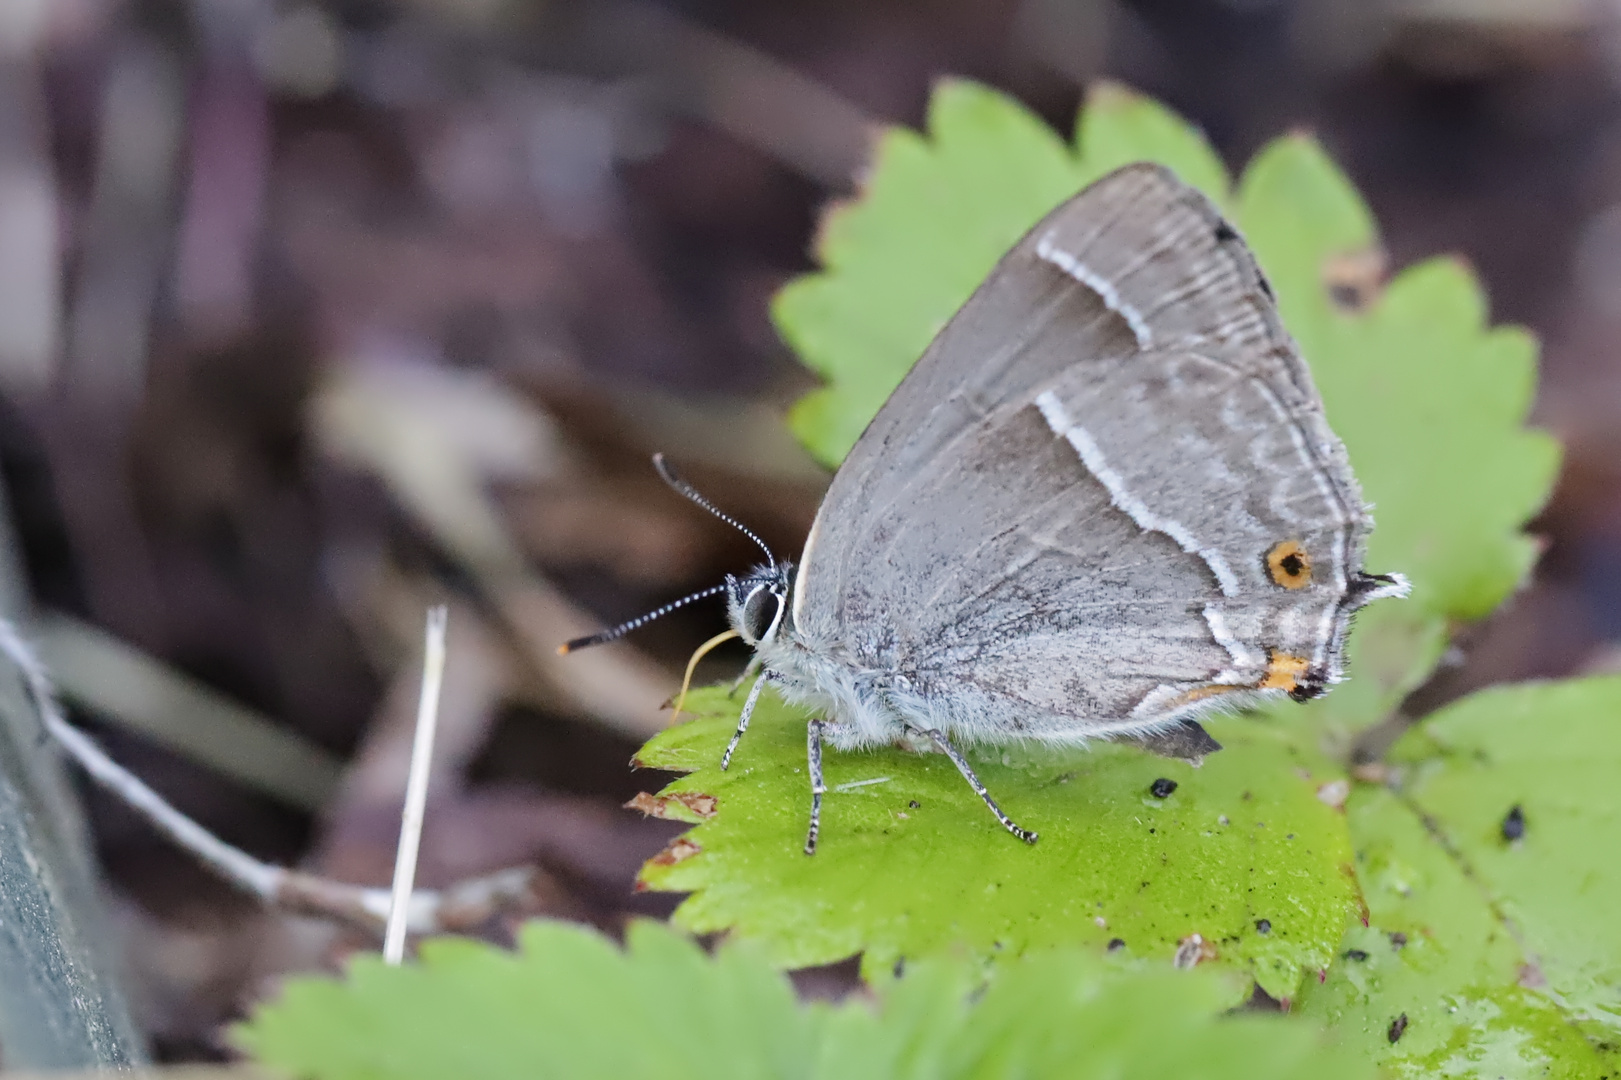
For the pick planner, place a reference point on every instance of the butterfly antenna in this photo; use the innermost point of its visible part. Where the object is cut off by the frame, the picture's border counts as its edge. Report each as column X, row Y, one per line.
column 641, row 620
column 668, row 475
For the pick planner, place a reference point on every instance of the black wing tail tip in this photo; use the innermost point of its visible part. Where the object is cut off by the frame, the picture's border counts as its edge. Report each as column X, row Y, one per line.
column 1366, row 588
column 1313, row 684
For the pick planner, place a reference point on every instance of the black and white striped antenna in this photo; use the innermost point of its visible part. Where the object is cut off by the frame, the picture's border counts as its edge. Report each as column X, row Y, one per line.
column 668, row 475
column 639, row 621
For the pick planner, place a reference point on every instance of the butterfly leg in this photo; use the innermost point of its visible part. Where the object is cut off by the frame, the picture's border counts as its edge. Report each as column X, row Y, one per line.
column 743, row 720
column 813, row 740
column 939, row 739
column 748, row 670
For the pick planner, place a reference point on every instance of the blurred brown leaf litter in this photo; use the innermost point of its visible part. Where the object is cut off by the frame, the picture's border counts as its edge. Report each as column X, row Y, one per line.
column 315, row 313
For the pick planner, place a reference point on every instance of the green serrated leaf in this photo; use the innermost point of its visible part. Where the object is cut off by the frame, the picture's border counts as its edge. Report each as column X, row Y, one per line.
column 571, row 1004
column 1243, row 838
column 1118, row 127
column 1058, row 1016
column 1510, row 955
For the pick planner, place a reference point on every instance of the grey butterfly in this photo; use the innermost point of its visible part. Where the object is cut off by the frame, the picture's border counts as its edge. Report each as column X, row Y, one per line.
column 1104, row 503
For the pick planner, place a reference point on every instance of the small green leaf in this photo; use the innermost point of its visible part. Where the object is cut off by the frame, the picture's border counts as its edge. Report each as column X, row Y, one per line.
column 571, row 1004
column 1509, row 961
column 1243, row 838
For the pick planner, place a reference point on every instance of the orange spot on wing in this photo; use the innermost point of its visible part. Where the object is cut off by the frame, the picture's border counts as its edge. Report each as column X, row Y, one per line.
column 1289, row 565
column 1199, row 693
column 1283, row 671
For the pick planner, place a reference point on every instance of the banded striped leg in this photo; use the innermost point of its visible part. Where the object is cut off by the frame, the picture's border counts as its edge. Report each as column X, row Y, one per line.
column 743, row 720
column 939, row 739
column 813, row 748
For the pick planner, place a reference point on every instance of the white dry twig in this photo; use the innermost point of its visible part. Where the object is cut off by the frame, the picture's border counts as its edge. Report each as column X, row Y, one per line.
column 416, row 785
column 460, row 907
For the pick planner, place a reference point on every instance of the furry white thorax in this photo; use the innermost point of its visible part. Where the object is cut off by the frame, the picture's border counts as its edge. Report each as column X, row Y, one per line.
column 808, row 674
column 871, row 707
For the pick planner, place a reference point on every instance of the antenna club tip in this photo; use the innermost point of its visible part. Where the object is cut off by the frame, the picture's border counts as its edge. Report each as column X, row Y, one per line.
column 563, row 649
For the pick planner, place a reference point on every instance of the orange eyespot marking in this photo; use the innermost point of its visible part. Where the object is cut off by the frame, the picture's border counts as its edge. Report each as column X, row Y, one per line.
column 1288, row 565
column 1283, row 672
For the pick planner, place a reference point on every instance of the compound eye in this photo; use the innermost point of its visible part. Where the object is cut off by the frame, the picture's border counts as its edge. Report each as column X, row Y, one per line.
column 759, row 612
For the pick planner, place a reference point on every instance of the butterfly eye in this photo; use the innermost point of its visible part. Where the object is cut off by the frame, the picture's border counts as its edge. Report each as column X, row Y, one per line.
column 759, row 612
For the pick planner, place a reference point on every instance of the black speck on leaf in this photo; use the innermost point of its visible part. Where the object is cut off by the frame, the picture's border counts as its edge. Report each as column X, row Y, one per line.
column 1397, row 1027
column 914, row 804
column 1161, row 788
column 1263, row 926
column 1116, row 944
column 1398, row 939
column 1346, row 297
column 1356, row 954
column 1514, row 823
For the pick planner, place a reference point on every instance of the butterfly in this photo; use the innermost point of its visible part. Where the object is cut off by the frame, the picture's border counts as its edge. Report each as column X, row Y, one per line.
column 1103, row 504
